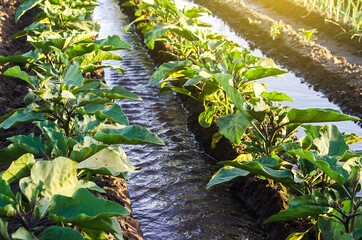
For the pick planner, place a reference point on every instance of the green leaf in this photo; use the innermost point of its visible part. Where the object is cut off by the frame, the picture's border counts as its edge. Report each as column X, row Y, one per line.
column 96, row 56
column 166, row 69
column 275, row 96
column 59, row 177
column 73, row 76
column 119, row 92
column 19, row 168
column 34, row 145
column 91, row 186
column 233, row 93
column 313, row 115
column 4, row 230
column 352, row 138
column 176, row 89
column 114, row 114
column 333, row 229
column 112, row 42
column 331, row 166
column 301, row 211
column 297, row 235
column 116, row 134
column 83, row 207
column 327, row 139
column 156, row 32
column 16, row 59
column 23, row 234
column 263, row 168
column 105, row 224
column 20, row 117
column 109, row 161
column 60, row 233
column 16, row 72
column 11, row 153
column 93, row 67
column 206, row 117
column 233, row 127
column 25, row 6
column 226, row 175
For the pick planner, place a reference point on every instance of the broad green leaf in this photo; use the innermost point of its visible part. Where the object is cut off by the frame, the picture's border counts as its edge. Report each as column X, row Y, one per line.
column 105, row 224
column 261, row 72
column 331, row 166
column 25, row 6
column 73, row 76
column 313, row 115
column 333, row 229
column 34, row 145
column 59, row 177
column 156, row 32
column 328, row 139
column 91, row 186
column 4, row 230
column 109, row 161
column 119, row 92
column 16, row 59
column 114, row 113
column 60, row 233
column 11, row 153
column 19, row 168
column 82, row 207
column 85, row 149
column 94, row 234
column 233, row 127
column 7, row 199
column 20, row 117
column 96, row 56
column 301, row 211
column 275, row 96
column 16, row 72
column 23, row 234
column 262, row 169
column 116, row 134
column 113, row 42
column 226, row 175
column 166, row 69
column 352, row 138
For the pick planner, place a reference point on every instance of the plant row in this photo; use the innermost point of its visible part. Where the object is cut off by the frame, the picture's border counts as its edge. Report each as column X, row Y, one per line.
column 82, row 129
column 348, row 12
column 321, row 175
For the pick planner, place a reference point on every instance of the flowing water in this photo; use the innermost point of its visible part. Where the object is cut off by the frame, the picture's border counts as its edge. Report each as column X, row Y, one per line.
column 168, row 193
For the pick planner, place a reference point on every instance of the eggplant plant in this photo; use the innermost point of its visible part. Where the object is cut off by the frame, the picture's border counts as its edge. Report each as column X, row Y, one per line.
column 53, row 202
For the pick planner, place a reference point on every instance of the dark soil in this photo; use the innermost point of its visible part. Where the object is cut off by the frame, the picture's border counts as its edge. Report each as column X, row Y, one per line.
column 12, row 92
column 339, row 80
column 261, row 196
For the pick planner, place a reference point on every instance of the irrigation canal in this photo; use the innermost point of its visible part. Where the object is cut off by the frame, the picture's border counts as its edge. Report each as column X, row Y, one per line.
column 168, row 193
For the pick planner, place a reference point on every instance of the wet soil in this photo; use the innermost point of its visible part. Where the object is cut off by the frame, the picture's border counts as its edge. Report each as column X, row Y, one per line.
column 12, row 92
column 329, row 34
column 261, row 196
column 339, row 80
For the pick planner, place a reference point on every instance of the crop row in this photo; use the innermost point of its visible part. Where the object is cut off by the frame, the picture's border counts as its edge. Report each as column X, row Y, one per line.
column 348, row 12
column 82, row 129
column 320, row 173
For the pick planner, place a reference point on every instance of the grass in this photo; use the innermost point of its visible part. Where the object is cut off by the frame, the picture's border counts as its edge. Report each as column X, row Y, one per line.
column 348, row 12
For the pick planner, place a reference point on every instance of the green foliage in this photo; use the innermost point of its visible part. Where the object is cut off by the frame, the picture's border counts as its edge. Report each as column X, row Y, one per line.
column 218, row 74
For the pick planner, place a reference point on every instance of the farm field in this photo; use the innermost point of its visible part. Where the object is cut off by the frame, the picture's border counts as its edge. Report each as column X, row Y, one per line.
column 162, row 119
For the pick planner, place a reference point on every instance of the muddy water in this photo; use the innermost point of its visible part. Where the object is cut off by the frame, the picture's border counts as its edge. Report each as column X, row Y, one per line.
column 302, row 93
column 168, row 193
